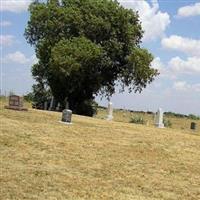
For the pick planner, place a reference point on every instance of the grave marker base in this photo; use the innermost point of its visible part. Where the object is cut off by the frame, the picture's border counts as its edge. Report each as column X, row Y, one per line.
column 67, row 123
column 16, row 108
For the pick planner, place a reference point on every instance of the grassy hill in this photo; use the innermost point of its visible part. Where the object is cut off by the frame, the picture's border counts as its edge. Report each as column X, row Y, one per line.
column 94, row 159
column 125, row 116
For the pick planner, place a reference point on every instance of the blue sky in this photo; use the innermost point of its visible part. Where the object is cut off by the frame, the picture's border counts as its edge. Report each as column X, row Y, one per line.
column 172, row 34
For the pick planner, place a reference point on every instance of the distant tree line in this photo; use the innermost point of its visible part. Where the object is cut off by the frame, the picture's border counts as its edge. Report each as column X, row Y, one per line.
column 171, row 114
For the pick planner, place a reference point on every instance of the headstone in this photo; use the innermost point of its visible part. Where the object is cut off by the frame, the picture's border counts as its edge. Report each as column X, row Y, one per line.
column 45, row 105
column 159, row 119
column 193, row 126
column 58, row 107
column 67, row 105
column 16, row 103
column 67, row 116
column 110, row 111
column 51, row 104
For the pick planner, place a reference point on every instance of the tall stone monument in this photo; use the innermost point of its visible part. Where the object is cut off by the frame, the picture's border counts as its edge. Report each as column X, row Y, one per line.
column 159, row 119
column 110, row 111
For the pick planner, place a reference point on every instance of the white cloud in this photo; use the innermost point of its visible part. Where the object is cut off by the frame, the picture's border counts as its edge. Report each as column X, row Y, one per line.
column 157, row 64
column 5, row 23
column 34, row 59
column 14, row 5
column 177, row 66
column 191, row 10
column 185, row 45
column 189, row 66
column 6, row 40
column 16, row 57
column 196, row 87
column 19, row 58
column 163, row 69
column 154, row 22
column 191, row 47
column 184, row 86
column 181, row 86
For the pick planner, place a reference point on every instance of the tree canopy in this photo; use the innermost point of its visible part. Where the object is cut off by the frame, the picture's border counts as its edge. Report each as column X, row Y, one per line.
column 85, row 48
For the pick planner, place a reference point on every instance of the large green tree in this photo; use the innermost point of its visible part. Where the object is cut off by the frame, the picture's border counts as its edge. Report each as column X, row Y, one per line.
column 86, row 47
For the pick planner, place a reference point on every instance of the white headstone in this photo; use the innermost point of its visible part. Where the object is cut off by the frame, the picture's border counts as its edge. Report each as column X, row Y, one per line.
column 110, row 111
column 51, row 104
column 159, row 119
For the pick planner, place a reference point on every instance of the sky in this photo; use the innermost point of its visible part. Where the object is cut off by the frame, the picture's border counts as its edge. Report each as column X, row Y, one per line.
column 172, row 35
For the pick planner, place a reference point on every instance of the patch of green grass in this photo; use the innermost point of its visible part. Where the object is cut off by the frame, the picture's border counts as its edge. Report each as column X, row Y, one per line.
column 137, row 120
column 167, row 123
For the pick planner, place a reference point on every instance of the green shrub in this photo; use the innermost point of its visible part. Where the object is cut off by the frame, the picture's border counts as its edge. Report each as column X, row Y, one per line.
column 193, row 117
column 167, row 123
column 87, row 108
column 137, row 120
column 29, row 97
column 178, row 115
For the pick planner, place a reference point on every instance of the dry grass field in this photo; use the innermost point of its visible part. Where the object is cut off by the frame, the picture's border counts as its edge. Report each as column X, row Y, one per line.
column 42, row 159
column 125, row 116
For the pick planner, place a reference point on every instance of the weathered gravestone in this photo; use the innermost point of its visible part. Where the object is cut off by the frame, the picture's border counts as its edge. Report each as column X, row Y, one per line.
column 58, row 107
column 67, row 116
column 110, row 111
column 193, row 126
column 16, row 103
column 159, row 119
column 45, row 105
column 51, row 104
column 67, row 104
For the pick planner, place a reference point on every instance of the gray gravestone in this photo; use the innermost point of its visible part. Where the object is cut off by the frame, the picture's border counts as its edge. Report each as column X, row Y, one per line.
column 45, row 105
column 193, row 126
column 51, row 104
column 110, row 111
column 67, row 116
column 58, row 107
column 159, row 119
column 67, row 105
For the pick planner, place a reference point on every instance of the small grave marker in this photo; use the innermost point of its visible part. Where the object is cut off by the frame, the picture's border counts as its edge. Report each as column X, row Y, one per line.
column 66, row 116
column 193, row 126
column 58, row 107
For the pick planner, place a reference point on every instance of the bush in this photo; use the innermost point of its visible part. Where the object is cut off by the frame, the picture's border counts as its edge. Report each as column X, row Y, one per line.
column 137, row 120
column 175, row 115
column 167, row 123
column 87, row 108
column 29, row 97
column 193, row 117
